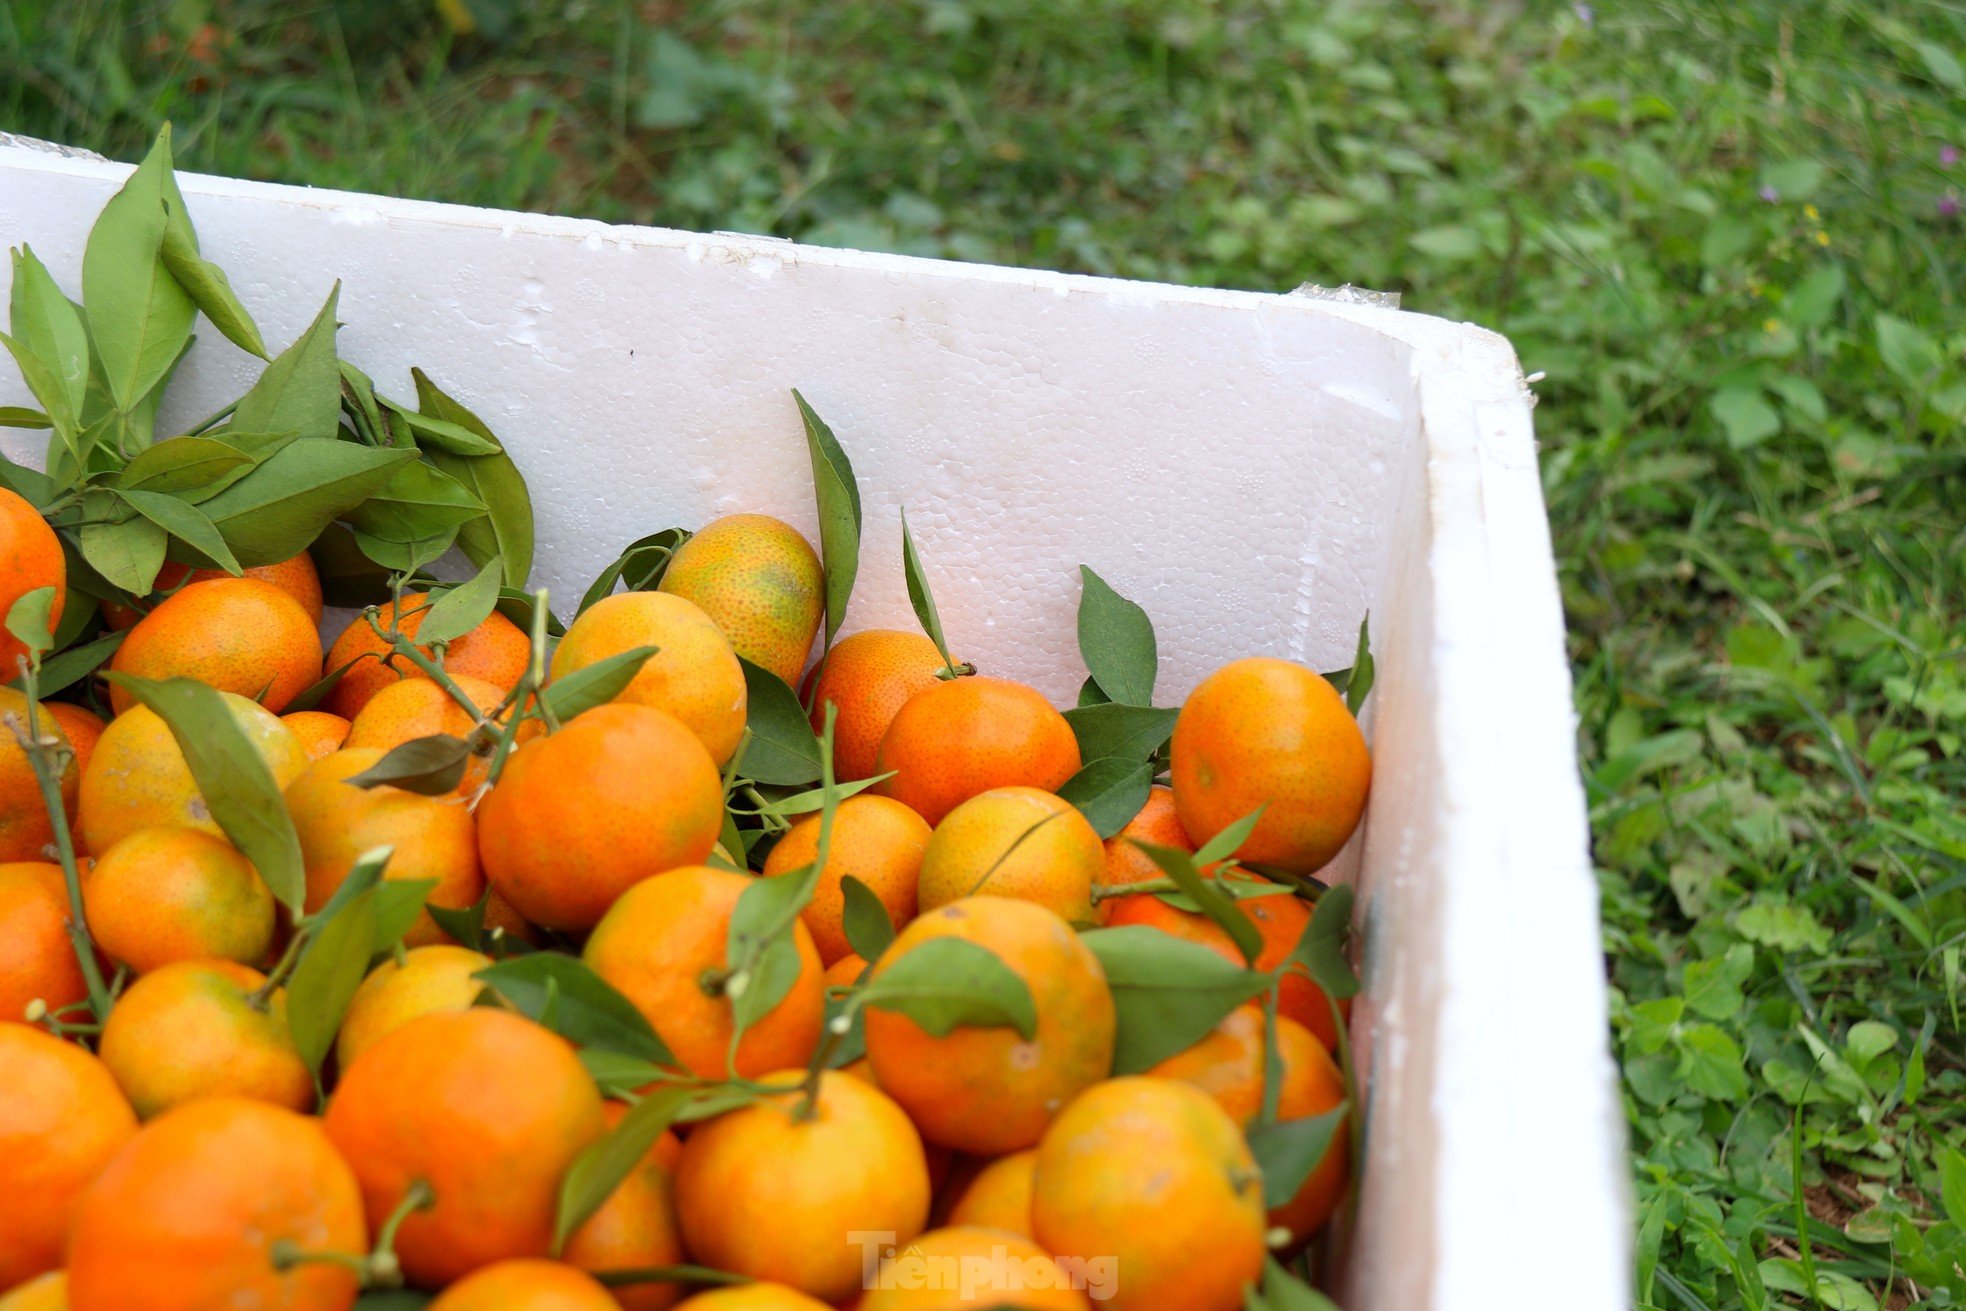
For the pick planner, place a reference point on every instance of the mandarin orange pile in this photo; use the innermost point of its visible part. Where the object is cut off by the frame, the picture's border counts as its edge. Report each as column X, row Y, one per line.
column 613, row 972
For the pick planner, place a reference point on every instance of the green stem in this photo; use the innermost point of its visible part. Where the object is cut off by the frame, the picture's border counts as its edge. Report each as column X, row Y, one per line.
column 262, row 996
column 49, row 759
column 212, row 422
column 536, row 673
column 402, row 646
column 384, row 1270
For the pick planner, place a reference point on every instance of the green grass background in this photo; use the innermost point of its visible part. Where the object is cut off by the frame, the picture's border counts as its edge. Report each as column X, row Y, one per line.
column 1727, row 232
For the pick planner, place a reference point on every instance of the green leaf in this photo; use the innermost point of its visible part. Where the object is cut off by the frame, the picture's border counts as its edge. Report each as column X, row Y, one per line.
column 639, row 567
column 1110, row 792
column 19, row 416
column 1116, row 639
column 1710, row 1063
column 600, row 1168
column 617, row 1074
column 405, row 557
column 47, row 323
column 595, row 685
column 139, row 317
column 363, row 874
column 47, row 387
column 1747, row 419
column 587, row 1011
column 782, row 750
column 1283, row 1291
column 430, row 766
column 195, row 468
column 69, row 667
column 465, row 924
column 1713, row 987
column 1169, row 993
column 399, row 903
column 1090, row 694
column 30, row 619
column 418, row 502
column 185, row 522
column 231, row 776
column 440, row 434
column 127, row 554
column 1906, row 350
column 1126, row 732
column 1209, row 897
column 1229, row 841
column 300, row 390
column 945, row 982
column 1945, row 69
column 869, row 930
column 1321, row 951
column 918, row 594
column 461, row 609
column 202, row 280
column 1812, row 301
column 1289, row 1150
column 838, row 494
column 276, row 511
column 35, row 487
column 1795, row 179
column 1952, row 1186
column 325, row 979
column 1359, row 683
column 812, row 799
column 393, row 1299
column 505, row 532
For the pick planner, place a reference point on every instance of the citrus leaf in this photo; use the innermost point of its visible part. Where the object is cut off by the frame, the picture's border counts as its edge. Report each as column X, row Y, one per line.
column 461, row 609
column 31, row 485
column 587, row 1010
column 139, row 317
column 1289, row 1150
column 946, row 982
column 19, row 416
column 1359, row 679
column 1129, row 732
column 300, row 390
column 600, row 1168
column 202, row 280
column 30, row 619
column 330, row 969
column 639, row 567
column 1168, row 993
column 838, row 494
column 617, row 1074
column 919, row 595
column 1116, row 639
column 595, row 685
column 185, row 522
column 812, row 799
column 869, row 929
column 1283, row 1291
column 363, row 874
column 1214, row 903
column 1321, row 951
column 202, row 466
column 276, row 511
column 505, row 531
column 46, row 322
column 783, row 749
column 1229, row 840
column 465, row 924
column 66, row 668
column 1110, row 792
column 418, row 502
column 430, row 766
column 231, row 776
column 47, row 387
column 442, row 434
column 128, row 554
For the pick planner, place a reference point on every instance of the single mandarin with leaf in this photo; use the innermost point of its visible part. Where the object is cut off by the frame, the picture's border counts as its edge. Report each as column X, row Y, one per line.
column 419, row 707
column 80, row 725
column 694, row 674
column 338, row 822
column 526, row 1284
column 776, row 1190
column 1267, row 733
column 48, row 1292
column 966, row 736
column 1016, row 842
column 1153, row 1176
column 427, row 980
column 37, row 960
column 1126, row 863
column 999, row 1196
column 484, row 1107
column 30, row 559
column 867, row 677
column 495, row 651
column 235, row 634
column 991, row 1090
column 761, row 582
column 752, row 1297
column 138, row 777
column 876, row 840
column 25, row 829
column 200, row 1208
column 174, row 894
column 201, row 1029
column 582, row 815
column 319, row 732
column 663, row 946
column 636, row 1227
column 296, row 576
column 1280, row 922
column 62, row 1118
column 965, row 1265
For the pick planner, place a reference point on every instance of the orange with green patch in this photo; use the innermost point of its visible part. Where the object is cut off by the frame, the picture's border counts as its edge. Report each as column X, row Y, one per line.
column 762, row 583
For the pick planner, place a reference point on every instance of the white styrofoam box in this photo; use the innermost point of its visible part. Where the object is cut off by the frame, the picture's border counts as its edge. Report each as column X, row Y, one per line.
column 1258, row 471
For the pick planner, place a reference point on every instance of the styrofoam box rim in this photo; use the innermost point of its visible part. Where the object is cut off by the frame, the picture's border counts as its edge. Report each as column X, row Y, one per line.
column 1493, row 1110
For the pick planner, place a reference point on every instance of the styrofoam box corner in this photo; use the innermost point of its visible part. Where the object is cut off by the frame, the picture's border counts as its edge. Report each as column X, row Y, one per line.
column 1259, row 471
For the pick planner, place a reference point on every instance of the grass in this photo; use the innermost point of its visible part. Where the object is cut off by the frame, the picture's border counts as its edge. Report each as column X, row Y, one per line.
column 1727, row 232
